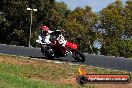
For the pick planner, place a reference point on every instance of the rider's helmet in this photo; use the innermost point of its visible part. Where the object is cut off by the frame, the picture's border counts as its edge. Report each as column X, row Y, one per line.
column 44, row 28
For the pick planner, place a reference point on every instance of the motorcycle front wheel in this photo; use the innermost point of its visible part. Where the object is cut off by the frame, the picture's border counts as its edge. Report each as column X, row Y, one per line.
column 77, row 55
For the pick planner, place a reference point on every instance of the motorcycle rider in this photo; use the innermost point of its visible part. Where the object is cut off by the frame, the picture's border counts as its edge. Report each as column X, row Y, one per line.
column 44, row 35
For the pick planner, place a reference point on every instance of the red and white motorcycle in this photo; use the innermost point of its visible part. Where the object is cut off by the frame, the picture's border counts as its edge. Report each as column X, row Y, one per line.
column 55, row 49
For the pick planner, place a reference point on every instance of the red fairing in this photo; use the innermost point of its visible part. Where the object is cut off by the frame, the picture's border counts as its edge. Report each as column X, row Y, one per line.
column 71, row 45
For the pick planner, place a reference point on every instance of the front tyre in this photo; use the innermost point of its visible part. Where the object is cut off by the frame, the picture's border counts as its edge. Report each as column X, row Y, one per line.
column 77, row 55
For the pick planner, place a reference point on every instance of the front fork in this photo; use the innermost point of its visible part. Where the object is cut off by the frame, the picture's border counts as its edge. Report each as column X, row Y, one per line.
column 73, row 52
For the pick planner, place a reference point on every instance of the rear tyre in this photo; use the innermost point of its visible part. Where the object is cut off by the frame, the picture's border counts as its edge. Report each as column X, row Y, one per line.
column 77, row 55
column 47, row 53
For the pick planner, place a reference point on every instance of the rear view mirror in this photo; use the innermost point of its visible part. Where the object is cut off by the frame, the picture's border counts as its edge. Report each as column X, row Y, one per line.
column 79, row 37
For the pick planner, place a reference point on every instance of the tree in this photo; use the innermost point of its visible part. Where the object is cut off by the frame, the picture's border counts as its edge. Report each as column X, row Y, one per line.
column 15, row 27
column 14, row 20
column 113, row 21
column 80, row 22
column 127, row 13
column 58, row 15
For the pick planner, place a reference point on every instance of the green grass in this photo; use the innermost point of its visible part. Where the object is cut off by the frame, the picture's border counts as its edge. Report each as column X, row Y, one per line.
column 19, row 82
column 17, row 72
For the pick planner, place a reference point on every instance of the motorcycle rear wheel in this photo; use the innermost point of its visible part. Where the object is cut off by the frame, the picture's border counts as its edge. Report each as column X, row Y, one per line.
column 47, row 53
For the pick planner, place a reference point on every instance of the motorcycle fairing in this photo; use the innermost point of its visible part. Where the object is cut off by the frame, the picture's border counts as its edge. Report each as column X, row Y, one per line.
column 71, row 45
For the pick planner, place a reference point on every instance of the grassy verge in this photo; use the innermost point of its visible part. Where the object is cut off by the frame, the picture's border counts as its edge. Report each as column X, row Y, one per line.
column 17, row 72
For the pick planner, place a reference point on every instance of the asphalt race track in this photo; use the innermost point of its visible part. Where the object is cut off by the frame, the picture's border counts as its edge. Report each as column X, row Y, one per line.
column 115, row 63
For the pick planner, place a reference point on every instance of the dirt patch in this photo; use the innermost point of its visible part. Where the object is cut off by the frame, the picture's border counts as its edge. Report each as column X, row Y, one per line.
column 40, row 77
column 69, row 80
column 14, row 60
